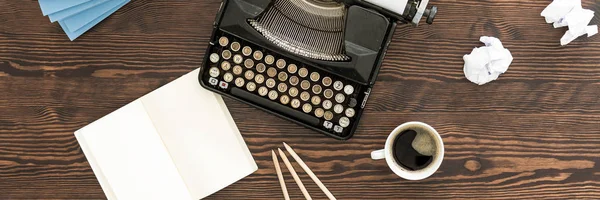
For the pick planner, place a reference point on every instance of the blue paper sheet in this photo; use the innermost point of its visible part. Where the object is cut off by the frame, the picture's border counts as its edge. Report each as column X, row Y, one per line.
column 76, row 22
column 53, row 6
column 74, row 10
column 74, row 34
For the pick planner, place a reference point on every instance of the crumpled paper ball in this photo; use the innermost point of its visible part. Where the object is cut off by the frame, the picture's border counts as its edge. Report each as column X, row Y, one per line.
column 570, row 13
column 486, row 63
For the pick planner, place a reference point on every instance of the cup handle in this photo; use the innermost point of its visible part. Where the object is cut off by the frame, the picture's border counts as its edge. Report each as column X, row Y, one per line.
column 378, row 155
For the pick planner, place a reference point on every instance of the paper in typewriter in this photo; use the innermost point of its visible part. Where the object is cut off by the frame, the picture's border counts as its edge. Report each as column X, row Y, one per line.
column 177, row 142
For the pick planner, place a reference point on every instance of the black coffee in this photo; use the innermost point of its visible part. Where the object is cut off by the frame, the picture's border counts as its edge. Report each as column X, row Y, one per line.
column 406, row 155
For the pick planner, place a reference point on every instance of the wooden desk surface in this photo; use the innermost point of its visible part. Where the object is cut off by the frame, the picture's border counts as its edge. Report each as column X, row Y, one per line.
column 533, row 133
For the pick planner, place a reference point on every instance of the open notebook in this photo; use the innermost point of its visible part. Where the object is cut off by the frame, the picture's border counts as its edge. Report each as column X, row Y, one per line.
column 177, row 142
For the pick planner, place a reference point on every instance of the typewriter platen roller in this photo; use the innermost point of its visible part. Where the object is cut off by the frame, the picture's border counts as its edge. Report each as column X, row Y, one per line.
column 313, row 62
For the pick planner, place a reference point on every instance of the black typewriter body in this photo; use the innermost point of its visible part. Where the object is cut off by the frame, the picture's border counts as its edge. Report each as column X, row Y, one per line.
column 323, row 95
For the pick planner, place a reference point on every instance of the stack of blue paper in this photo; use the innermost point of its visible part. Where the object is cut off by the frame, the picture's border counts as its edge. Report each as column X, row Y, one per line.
column 78, row 16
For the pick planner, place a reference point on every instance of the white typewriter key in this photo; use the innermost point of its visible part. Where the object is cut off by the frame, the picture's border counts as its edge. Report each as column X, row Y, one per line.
column 327, row 81
column 292, row 68
column 305, row 85
column 251, row 86
column 273, row 94
column 328, row 93
column 239, row 81
column 270, row 83
column 294, row 80
column 225, row 65
column 338, row 129
column 327, row 104
column 315, row 100
column 344, row 122
column 303, row 72
column 272, row 72
column 213, row 81
column 315, row 76
column 214, row 57
column 262, row 91
column 305, row 96
column 235, row 46
column 226, row 54
column 269, row 59
column 348, row 89
column 228, row 77
column 295, row 103
column 258, row 55
column 214, row 72
column 338, row 85
column 259, row 78
column 237, row 70
column 260, row 68
column 282, row 76
column 319, row 112
column 238, row 59
column 284, row 99
column 223, row 41
column 350, row 112
column 327, row 124
column 247, row 51
column 293, row 92
column 282, row 87
column 280, row 63
column 340, row 98
column 249, row 63
column 338, row 108
column 306, row 108
column 249, row 75
column 316, row 89
column 328, row 115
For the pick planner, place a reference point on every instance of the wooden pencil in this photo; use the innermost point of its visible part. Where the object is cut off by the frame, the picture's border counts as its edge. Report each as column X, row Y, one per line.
column 280, row 176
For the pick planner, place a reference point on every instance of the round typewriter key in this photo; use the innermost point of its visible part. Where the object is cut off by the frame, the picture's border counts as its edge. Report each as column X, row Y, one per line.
column 225, row 65
column 315, row 76
column 258, row 55
column 259, row 78
column 260, row 68
column 235, row 46
column 282, row 87
column 273, row 95
column 303, row 72
column 338, row 85
column 344, row 122
column 214, row 57
column 328, row 93
column 340, row 98
column 282, row 76
column 294, row 80
column 251, row 86
column 280, row 63
column 306, row 108
column 338, row 108
column 270, row 83
column 327, row 81
column 271, row 72
column 239, row 81
column 284, row 99
column 237, row 70
column 348, row 89
column 238, row 59
column 350, row 112
column 228, row 77
column 249, row 63
column 269, row 59
column 213, row 72
column 328, row 115
column 262, row 91
column 293, row 92
column 292, row 68
column 246, row 51
column 315, row 100
column 316, row 89
column 295, row 103
column 226, row 54
column 223, row 41
column 305, row 96
column 305, row 85
column 319, row 112
column 352, row 102
column 327, row 104
column 249, row 75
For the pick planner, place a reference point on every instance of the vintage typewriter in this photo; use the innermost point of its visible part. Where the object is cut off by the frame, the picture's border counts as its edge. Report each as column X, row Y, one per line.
column 313, row 62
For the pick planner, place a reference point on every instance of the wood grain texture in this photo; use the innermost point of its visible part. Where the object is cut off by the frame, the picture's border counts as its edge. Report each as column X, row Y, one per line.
column 534, row 133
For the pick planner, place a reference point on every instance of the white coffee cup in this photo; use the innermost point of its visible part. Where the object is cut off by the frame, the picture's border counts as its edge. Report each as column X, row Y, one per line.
column 388, row 152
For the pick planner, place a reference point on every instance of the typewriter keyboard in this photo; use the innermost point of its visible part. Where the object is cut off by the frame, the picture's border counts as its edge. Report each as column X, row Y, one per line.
column 282, row 85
